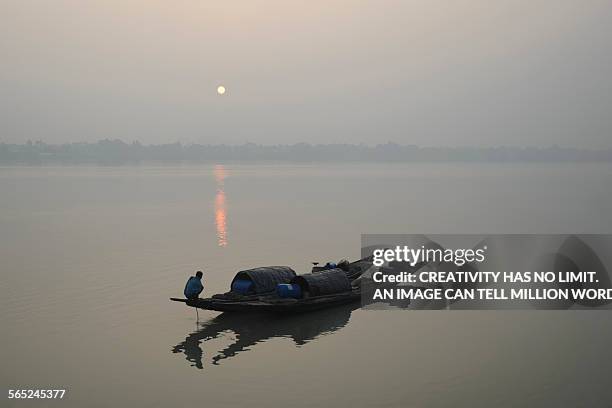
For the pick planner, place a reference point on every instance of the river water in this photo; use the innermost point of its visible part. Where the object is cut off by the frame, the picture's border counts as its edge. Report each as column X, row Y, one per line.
column 90, row 255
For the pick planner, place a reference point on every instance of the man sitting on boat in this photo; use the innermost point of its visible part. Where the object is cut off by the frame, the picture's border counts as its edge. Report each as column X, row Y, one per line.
column 194, row 287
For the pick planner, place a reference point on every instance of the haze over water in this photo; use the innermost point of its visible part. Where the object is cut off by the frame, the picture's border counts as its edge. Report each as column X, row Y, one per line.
column 90, row 256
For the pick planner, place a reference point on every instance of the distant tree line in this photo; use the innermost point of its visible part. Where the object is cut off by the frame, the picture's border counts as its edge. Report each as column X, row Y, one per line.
column 117, row 151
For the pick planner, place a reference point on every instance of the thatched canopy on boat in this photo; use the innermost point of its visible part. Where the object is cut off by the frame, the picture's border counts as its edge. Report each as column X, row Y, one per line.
column 266, row 278
column 324, row 283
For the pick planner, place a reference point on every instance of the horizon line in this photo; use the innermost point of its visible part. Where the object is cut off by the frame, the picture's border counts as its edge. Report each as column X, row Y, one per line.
column 361, row 145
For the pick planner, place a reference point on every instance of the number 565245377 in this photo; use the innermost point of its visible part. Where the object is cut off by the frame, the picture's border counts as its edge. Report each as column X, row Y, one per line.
column 36, row 394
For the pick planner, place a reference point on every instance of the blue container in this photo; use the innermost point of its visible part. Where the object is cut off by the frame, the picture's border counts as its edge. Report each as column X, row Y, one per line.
column 242, row 286
column 330, row 265
column 287, row 290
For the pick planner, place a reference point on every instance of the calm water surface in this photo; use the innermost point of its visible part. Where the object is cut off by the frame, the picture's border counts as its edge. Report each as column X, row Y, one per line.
column 90, row 256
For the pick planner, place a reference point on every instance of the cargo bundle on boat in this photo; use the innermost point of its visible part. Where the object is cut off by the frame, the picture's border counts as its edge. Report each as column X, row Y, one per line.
column 257, row 281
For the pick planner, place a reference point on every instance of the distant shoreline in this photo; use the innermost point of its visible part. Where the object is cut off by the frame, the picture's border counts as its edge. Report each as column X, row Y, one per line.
column 119, row 152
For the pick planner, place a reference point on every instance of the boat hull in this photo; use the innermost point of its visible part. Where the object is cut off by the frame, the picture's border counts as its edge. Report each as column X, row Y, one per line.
column 275, row 306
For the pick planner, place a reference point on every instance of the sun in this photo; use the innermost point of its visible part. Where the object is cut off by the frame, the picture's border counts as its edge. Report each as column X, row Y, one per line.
column 220, row 89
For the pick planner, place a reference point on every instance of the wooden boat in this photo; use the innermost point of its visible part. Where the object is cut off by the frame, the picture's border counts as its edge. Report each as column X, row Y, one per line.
column 327, row 288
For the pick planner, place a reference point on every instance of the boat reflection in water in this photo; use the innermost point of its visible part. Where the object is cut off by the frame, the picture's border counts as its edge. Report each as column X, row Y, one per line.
column 220, row 207
column 250, row 329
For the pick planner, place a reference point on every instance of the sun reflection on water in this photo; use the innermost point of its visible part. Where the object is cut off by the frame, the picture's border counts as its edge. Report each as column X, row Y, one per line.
column 220, row 206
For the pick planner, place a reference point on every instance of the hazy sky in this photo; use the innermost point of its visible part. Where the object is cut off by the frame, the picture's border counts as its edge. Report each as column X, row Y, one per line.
column 415, row 72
